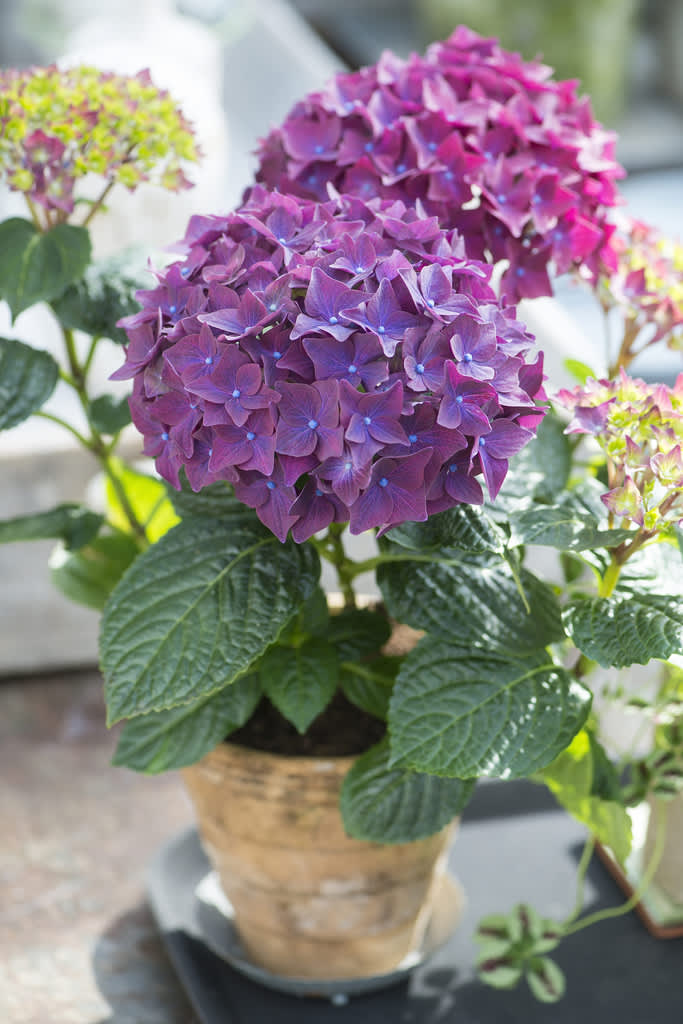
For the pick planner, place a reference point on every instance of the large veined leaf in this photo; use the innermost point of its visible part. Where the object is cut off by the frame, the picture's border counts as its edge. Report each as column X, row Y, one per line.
column 37, row 267
column 387, row 804
column 461, row 714
column 626, row 629
column 27, row 379
column 74, row 524
column 567, row 526
column 544, row 463
column 167, row 740
column 356, row 632
column 214, row 501
column 465, row 527
column 478, row 605
column 301, row 680
column 195, row 611
column 368, row 684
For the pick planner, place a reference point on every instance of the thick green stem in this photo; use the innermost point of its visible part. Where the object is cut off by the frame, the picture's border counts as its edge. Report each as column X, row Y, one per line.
column 609, row 580
column 332, row 549
column 98, row 204
column 82, row 440
column 95, row 443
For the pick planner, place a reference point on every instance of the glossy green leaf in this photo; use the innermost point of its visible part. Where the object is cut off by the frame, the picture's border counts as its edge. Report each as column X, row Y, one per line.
column 196, row 610
column 27, row 379
column 104, row 295
column 567, row 526
column 300, row 681
column 628, row 629
column 356, row 632
column 167, row 740
column 481, row 605
column 465, row 527
column 215, row 501
column 368, row 684
column 109, row 414
column 89, row 575
column 386, row 804
column 539, row 471
column 462, row 714
column 37, row 267
column 74, row 524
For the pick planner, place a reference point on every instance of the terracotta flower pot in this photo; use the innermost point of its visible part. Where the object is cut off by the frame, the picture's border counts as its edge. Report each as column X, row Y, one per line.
column 309, row 901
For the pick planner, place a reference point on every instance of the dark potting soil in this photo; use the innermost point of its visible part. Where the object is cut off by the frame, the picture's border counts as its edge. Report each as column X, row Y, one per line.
column 340, row 730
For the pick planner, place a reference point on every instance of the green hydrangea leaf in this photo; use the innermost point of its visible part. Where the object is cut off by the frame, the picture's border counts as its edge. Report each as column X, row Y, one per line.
column 196, row 610
column 539, row 471
column 109, row 414
column 74, row 524
column 567, row 525
column 215, row 501
column 37, row 267
column 168, row 740
column 300, row 681
column 481, row 604
column 463, row 714
column 104, row 295
column 626, row 629
column 356, row 632
column 89, row 575
column 385, row 804
column 368, row 684
column 27, row 379
column 465, row 527
column 571, row 778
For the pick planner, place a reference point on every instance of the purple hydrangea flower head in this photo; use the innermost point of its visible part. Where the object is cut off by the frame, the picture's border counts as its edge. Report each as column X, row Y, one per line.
column 278, row 379
column 490, row 144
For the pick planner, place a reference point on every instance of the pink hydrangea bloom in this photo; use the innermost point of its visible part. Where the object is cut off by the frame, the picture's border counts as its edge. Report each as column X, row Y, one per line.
column 335, row 362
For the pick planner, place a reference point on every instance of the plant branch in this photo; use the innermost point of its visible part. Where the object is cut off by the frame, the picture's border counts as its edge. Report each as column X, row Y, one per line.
column 67, row 426
column 641, row 888
column 98, row 204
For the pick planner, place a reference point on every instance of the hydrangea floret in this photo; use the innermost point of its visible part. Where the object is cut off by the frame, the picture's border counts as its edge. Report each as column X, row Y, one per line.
column 487, row 142
column 639, row 428
column 643, row 281
column 336, row 362
column 58, row 125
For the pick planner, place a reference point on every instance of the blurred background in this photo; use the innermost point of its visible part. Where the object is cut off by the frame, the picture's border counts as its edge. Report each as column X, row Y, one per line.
column 236, row 67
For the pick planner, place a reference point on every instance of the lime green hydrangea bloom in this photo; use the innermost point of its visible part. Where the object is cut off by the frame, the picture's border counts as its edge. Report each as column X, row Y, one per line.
column 59, row 125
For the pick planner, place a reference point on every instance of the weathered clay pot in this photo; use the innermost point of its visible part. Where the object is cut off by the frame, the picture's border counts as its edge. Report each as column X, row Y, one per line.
column 309, row 901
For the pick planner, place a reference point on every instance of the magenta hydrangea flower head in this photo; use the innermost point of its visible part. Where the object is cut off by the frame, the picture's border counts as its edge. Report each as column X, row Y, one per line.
column 489, row 144
column 335, row 362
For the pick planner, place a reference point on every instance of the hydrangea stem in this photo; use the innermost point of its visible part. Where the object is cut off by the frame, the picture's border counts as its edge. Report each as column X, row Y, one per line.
column 332, row 549
column 95, row 443
column 641, row 888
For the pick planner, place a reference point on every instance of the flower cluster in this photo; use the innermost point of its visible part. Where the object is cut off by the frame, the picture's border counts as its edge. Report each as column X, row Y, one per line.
column 639, row 427
column 644, row 281
column 489, row 144
column 341, row 361
column 57, row 126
